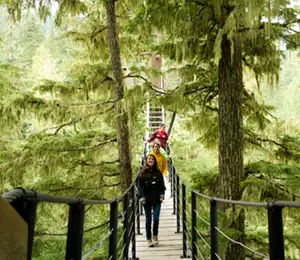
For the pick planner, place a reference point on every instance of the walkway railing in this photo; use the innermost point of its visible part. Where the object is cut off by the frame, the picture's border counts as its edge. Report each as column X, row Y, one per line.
column 127, row 221
column 179, row 193
column 25, row 202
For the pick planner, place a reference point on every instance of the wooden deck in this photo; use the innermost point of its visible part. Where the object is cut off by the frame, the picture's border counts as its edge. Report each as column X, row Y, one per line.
column 170, row 243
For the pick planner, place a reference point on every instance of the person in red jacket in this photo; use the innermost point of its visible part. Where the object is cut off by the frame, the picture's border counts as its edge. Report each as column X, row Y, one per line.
column 161, row 134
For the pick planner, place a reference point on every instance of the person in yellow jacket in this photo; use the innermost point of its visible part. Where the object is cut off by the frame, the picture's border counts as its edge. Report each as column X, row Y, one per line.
column 161, row 159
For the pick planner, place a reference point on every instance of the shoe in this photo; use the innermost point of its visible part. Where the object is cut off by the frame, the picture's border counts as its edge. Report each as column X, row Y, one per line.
column 155, row 240
column 150, row 243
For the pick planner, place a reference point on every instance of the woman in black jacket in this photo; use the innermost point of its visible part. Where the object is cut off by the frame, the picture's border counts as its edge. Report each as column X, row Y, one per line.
column 151, row 188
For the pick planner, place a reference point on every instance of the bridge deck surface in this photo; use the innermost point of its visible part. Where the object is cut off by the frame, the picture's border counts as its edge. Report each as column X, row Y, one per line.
column 170, row 243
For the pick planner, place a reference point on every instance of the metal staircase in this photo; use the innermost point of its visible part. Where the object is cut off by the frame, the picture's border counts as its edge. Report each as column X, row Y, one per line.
column 155, row 115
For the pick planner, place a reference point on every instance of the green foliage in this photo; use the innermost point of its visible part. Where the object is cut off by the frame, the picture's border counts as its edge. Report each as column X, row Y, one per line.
column 56, row 104
column 58, row 132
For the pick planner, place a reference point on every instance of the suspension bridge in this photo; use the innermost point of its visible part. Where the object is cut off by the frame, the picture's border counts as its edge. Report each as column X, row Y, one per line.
column 181, row 217
column 125, row 238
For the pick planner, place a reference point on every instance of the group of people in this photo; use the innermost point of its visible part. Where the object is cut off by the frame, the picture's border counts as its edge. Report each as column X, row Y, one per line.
column 151, row 183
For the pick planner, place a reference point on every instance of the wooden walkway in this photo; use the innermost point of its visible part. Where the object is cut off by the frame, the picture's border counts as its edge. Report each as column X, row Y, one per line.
column 170, row 243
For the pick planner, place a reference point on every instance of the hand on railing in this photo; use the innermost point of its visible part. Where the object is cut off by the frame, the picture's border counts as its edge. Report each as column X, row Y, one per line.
column 142, row 201
column 162, row 197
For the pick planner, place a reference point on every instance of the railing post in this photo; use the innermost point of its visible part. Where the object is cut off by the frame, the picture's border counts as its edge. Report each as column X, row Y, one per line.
column 138, row 224
column 27, row 210
column 184, row 228
column 30, row 219
column 133, row 241
column 170, row 167
column 126, row 214
column 213, row 230
column 174, row 189
column 276, row 238
column 113, row 227
column 194, row 226
column 75, row 232
column 144, row 152
column 178, row 203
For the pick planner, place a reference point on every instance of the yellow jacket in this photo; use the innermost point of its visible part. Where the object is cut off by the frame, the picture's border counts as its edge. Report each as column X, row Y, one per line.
column 161, row 162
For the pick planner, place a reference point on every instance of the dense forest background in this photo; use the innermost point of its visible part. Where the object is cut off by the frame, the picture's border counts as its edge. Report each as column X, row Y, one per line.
column 58, row 131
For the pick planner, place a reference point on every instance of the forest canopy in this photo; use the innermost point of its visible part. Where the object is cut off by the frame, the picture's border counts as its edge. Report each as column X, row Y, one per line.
column 67, row 94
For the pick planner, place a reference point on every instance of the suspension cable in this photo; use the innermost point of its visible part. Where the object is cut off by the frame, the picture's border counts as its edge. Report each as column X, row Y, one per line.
column 241, row 244
column 200, row 253
column 206, row 222
column 232, row 240
column 99, row 244
column 205, row 242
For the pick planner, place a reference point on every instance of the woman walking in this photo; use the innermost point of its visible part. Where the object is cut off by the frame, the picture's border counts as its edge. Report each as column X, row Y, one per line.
column 162, row 135
column 151, row 188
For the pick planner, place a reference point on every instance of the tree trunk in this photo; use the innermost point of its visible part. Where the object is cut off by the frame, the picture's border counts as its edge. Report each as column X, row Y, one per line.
column 231, row 168
column 156, row 62
column 121, row 114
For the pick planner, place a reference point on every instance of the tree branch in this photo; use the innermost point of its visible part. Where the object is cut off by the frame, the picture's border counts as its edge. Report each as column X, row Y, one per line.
column 39, row 233
column 212, row 108
column 74, row 121
column 262, row 25
column 115, row 174
column 99, row 31
column 85, row 188
column 272, row 141
column 86, row 147
column 96, row 103
column 111, row 174
column 152, row 86
column 203, row 4
column 278, row 186
column 100, row 163
column 192, row 91
column 285, row 37
column 66, row 124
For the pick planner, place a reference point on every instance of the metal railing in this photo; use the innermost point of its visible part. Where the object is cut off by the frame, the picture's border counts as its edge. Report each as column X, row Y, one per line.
column 25, row 202
column 179, row 193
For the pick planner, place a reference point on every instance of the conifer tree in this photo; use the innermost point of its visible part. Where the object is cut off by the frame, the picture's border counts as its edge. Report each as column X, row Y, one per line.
column 222, row 36
column 121, row 113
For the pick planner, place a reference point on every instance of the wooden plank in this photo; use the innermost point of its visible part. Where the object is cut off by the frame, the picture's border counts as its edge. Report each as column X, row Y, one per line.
column 161, row 233
column 160, row 248
column 163, row 258
column 170, row 217
column 163, row 215
column 165, row 253
column 163, row 242
column 166, row 229
column 162, row 224
column 170, row 244
column 163, row 236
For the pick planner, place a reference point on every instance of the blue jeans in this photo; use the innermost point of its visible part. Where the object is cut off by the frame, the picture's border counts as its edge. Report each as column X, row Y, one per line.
column 156, row 212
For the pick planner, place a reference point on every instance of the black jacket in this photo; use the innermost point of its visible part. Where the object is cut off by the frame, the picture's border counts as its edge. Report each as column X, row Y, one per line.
column 151, row 185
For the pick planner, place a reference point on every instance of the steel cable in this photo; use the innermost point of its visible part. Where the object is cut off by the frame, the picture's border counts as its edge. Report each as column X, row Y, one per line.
column 205, row 242
column 198, row 250
column 99, row 244
column 232, row 240
column 241, row 244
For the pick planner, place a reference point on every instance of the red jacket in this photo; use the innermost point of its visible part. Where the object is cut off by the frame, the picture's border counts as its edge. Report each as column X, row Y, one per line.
column 162, row 136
